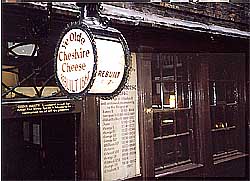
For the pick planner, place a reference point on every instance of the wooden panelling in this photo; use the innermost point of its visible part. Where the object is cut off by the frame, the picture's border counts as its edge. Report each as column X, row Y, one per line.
column 89, row 140
column 203, row 117
column 145, row 112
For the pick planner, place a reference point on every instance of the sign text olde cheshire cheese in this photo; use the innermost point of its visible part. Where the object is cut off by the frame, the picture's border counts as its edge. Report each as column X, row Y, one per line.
column 75, row 61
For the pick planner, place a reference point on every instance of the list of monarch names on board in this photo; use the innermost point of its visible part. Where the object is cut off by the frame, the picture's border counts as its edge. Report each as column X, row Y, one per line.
column 119, row 133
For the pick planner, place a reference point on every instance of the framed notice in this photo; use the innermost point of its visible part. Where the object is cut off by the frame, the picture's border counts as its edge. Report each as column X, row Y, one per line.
column 119, row 132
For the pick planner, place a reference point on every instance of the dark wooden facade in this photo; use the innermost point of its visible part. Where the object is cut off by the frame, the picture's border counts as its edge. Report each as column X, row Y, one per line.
column 147, row 42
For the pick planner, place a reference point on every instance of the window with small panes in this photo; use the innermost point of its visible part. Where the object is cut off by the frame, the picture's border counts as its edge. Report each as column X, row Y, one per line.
column 172, row 110
column 224, row 87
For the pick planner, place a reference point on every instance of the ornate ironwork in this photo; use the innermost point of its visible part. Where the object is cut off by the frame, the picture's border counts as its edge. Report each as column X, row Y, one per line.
column 31, row 79
column 30, row 69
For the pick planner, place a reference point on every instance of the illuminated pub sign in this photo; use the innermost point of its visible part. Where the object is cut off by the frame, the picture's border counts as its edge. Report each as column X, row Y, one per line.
column 91, row 63
column 75, row 59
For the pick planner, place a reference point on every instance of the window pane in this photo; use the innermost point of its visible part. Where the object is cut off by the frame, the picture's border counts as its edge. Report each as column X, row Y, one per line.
column 218, row 138
column 182, row 121
column 212, row 117
column 182, row 148
column 168, row 62
column 220, row 91
column 219, row 117
column 156, row 89
column 231, row 115
column 156, row 72
column 167, row 123
column 168, row 151
column 183, row 95
column 231, row 139
column 231, row 92
column 157, row 153
column 182, row 70
column 157, row 125
column 169, row 95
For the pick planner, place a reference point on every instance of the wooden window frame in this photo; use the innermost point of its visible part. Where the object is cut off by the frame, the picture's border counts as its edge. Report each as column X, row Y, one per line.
column 227, row 129
column 163, row 108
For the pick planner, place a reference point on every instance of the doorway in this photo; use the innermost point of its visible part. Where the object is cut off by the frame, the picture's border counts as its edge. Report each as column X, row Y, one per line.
column 40, row 147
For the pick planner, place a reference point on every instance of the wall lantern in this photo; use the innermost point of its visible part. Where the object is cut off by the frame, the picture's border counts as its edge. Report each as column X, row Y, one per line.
column 91, row 59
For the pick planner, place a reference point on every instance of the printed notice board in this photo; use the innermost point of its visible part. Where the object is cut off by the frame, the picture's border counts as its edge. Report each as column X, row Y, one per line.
column 119, row 132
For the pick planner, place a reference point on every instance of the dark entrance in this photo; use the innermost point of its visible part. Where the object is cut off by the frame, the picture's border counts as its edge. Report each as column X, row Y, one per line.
column 40, row 147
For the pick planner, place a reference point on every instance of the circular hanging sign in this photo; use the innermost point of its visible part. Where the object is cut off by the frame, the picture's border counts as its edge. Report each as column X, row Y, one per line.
column 113, row 65
column 75, row 59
